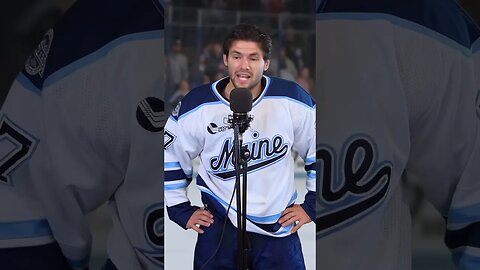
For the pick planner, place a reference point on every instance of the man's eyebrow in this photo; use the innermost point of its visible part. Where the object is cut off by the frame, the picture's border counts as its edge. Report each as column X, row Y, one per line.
column 251, row 54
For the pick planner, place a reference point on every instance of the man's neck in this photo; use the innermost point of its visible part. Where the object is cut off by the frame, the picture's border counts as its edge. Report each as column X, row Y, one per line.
column 256, row 91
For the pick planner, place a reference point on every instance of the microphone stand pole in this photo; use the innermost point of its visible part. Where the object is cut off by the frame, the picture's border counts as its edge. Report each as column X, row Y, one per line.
column 241, row 155
column 244, row 157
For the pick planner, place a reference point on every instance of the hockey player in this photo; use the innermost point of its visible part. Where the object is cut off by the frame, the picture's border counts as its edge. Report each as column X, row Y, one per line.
column 284, row 119
column 397, row 102
column 81, row 126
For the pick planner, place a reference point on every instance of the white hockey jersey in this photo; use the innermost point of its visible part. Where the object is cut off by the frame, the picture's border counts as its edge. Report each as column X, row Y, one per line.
column 284, row 121
column 81, row 126
column 396, row 92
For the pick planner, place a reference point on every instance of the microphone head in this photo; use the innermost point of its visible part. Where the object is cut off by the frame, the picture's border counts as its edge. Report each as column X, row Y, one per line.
column 240, row 100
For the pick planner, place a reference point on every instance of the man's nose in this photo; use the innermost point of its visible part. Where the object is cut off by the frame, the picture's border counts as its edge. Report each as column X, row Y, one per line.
column 245, row 64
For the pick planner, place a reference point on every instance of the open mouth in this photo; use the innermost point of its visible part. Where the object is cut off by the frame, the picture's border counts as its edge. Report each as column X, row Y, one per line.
column 243, row 77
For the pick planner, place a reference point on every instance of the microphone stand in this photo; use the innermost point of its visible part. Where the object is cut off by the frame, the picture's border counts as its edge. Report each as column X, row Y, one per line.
column 241, row 104
column 241, row 155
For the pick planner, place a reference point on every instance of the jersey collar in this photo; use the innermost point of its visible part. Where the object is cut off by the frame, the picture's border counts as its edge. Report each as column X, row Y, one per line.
column 219, row 85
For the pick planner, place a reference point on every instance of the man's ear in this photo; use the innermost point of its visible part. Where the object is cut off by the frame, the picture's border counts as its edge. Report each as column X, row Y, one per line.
column 225, row 60
column 266, row 65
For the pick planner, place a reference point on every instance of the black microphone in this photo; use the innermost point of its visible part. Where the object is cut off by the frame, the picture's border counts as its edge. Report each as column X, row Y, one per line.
column 240, row 104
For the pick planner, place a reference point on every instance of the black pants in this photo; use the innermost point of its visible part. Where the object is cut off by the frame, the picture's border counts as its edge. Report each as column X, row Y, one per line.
column 44, row 257
column 266, row 252
column 109, row 266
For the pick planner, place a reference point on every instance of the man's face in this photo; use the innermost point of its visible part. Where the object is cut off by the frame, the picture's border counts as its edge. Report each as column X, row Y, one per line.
column 245, row 64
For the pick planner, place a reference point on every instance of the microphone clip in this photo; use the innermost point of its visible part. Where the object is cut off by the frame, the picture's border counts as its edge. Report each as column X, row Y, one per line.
column 242, row 120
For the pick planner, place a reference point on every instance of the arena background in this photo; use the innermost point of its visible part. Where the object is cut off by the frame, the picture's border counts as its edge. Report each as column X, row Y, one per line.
column 197, row 24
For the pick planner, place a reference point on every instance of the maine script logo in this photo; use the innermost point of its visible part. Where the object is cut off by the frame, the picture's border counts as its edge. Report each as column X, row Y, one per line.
column 351, row 186
column 263, row 153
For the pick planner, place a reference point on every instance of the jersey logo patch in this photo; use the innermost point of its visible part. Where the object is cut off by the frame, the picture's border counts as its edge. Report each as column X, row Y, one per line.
column 349, row 187
column 154, row 234
column 263, row 152
column 168, row 139
column 213, row 128
column 36, row 63
column 16, row 146
column 151, row 114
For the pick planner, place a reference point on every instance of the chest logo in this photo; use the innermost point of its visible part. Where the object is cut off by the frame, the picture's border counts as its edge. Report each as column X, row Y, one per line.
column 263, row 153
column 351, row 186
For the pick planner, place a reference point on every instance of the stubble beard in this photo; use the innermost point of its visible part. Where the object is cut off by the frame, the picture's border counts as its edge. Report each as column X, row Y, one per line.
column 249, row 87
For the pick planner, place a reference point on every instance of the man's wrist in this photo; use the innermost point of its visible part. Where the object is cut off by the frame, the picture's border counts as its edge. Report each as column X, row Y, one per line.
column 181, row 213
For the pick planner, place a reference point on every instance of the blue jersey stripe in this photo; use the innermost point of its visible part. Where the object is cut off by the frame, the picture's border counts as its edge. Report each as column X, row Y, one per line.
column 175, row 175
column 476, row 46
column 468, row 236
column 172, row 165
column 467, row 214
column 27, row 84
column 196, row 98
column 465, row 49
column 280, row 88
column 310, row 161
column 255, row 219
column 99, row 54
column 101, row 22
column 24, row 229
column 465, row 261
column 79, row 263
column 176, row 186
column 442, row 16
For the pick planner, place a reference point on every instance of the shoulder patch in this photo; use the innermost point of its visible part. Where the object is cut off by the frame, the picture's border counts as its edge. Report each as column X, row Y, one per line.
column 177, row 109
column 151, row 114
column 35, row 64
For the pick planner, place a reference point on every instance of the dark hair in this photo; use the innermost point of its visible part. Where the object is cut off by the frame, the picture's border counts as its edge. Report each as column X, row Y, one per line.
column 248, row 32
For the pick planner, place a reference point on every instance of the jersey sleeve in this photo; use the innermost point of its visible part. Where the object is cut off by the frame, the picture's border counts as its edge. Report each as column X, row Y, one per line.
column 304, row 145
column 181, row 147
column 443, row 161
column 21, row 131
column 463, row 218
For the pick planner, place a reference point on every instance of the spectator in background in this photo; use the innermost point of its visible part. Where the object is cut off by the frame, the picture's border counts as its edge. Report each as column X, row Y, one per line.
column 213, row 60
column 182, row 90
column 178, row 64
column 294, row 48
column 276, row 6
column 305, row 80
column 284, row 66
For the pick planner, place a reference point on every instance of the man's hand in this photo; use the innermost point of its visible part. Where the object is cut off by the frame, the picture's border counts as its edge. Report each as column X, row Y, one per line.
column 200, row 217
column 294, row 214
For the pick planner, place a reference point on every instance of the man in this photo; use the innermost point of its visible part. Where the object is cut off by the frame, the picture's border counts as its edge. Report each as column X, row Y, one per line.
column 81, row 126
column 397, row 103
column 284, row 121
column 178, row 62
